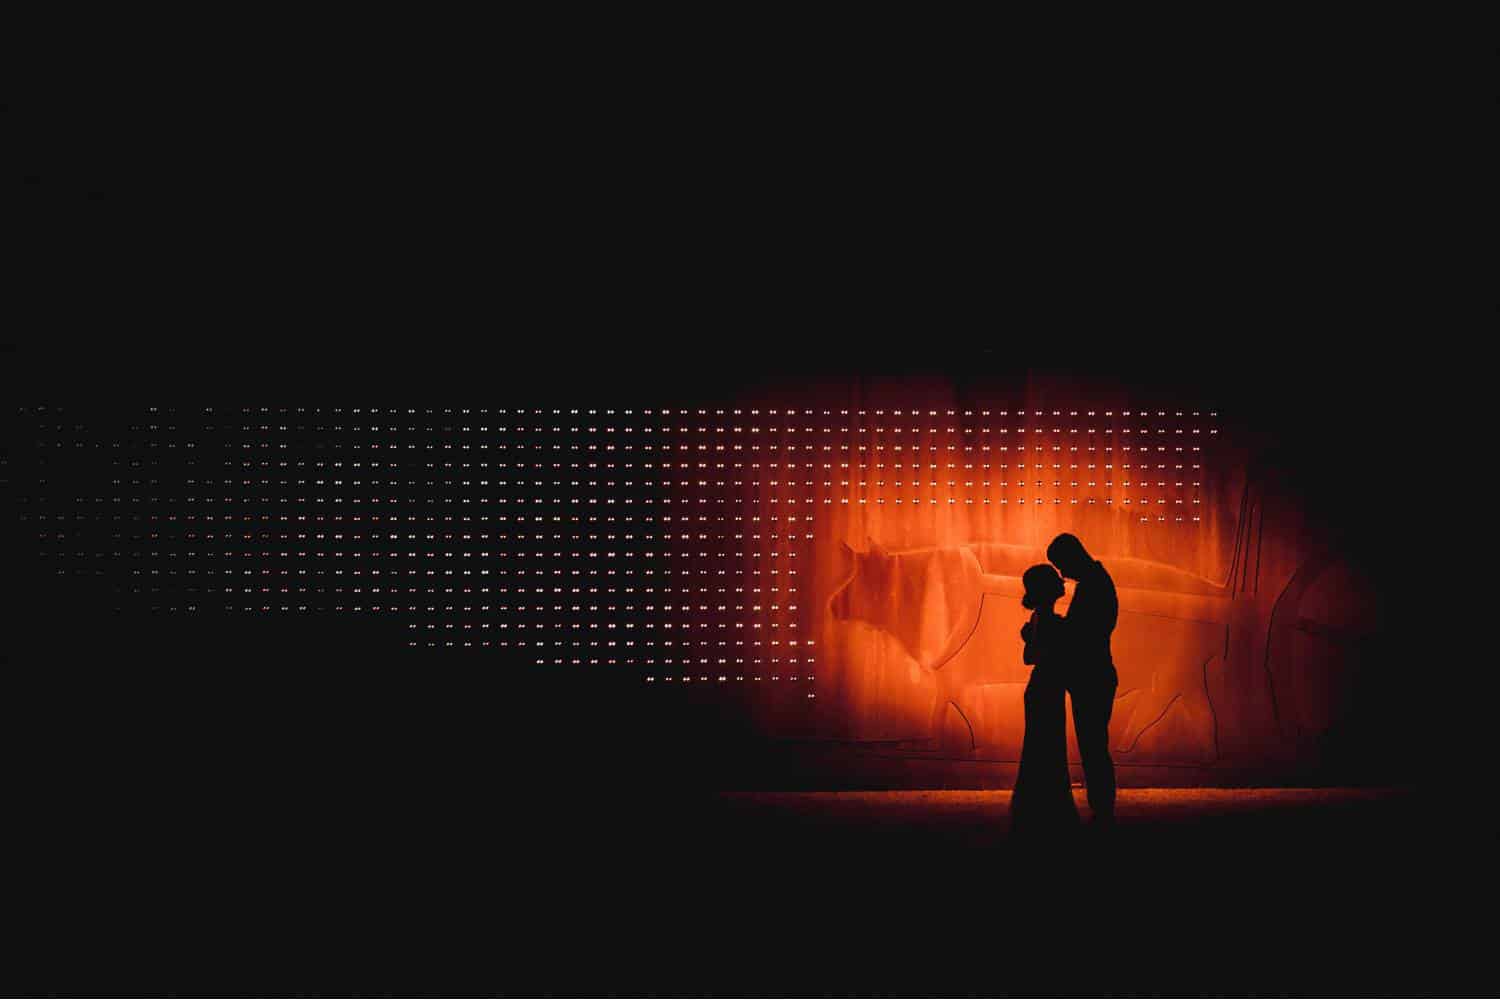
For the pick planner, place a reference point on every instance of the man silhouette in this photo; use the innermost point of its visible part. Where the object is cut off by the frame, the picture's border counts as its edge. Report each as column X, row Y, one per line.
column 1091, row 676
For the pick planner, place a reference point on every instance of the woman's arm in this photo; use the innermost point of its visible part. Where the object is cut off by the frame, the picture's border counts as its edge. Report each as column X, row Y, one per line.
column 1030, row 651
column 1046, row 637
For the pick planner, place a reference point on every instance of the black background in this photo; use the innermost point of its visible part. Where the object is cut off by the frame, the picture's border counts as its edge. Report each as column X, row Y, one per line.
column 585, row 220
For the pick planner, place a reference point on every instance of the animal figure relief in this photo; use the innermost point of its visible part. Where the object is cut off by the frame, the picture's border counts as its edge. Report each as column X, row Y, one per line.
column 956, row 612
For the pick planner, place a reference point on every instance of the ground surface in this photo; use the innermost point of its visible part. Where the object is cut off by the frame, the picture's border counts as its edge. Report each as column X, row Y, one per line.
column 567, row 889
column 1196, row 891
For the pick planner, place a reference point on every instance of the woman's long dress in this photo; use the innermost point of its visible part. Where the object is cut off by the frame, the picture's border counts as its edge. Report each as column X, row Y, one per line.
column 1043, row 796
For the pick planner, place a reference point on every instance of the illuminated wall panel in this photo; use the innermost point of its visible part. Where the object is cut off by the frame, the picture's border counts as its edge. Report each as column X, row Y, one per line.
column 846, row 559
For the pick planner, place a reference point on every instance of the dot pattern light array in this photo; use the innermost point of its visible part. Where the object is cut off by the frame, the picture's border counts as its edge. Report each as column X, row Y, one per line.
column 675, row 542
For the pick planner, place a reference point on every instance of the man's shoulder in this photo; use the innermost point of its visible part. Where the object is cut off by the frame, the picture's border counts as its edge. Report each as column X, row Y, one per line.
column 1099, row 585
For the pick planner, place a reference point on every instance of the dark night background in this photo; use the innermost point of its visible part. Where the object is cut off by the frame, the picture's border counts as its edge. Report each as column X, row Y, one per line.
column 565, row 225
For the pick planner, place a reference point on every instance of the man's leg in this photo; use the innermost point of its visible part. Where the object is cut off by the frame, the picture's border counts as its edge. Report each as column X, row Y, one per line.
column 1093, row 703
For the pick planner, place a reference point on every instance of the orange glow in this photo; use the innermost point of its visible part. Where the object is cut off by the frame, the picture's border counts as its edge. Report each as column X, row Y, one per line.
column 926, row 516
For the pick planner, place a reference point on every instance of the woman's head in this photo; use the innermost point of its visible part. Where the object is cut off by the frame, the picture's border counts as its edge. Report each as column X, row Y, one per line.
column 1043, row 586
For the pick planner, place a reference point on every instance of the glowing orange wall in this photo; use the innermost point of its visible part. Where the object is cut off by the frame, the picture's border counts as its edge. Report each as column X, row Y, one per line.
column 922, row 503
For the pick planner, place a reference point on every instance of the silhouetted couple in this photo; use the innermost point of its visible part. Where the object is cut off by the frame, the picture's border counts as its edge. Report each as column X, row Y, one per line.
column 1069, row 656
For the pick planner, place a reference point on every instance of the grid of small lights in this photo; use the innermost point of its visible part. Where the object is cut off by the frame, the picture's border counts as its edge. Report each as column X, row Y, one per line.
column 666, row 540
column 1149, row 460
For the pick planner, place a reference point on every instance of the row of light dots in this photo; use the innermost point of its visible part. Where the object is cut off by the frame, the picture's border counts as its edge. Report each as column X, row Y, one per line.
column 688, row 412
column 722, row 678
column 559, row 661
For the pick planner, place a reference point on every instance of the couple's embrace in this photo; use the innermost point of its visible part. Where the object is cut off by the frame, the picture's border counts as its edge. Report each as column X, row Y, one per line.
column 1070, row 657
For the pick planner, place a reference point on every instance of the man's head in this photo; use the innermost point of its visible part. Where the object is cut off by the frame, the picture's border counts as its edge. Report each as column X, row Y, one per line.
column 1069, row 556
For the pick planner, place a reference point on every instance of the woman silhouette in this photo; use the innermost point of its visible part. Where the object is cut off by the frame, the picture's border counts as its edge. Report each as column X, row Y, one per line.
column 1042, row 801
